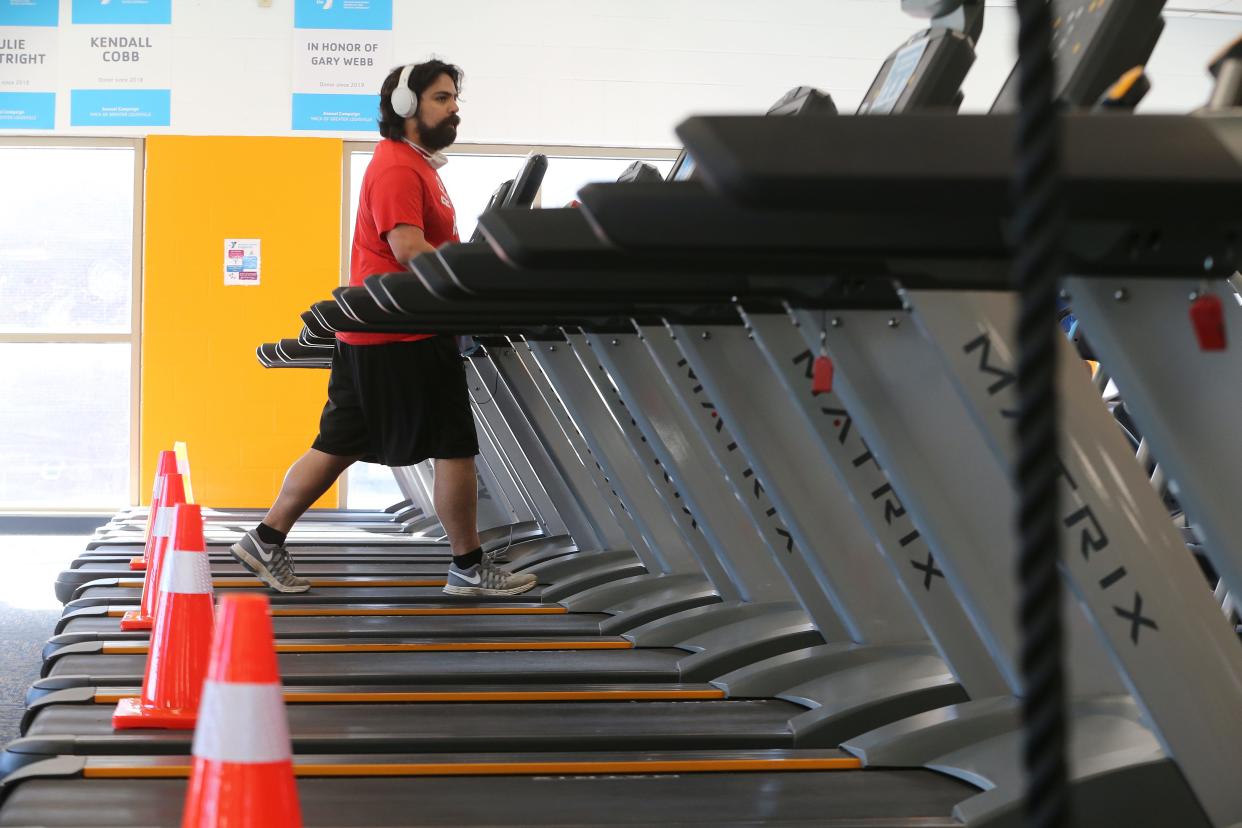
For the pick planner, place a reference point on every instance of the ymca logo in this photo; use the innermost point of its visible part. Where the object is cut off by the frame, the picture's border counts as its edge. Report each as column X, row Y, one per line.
column 374, row 15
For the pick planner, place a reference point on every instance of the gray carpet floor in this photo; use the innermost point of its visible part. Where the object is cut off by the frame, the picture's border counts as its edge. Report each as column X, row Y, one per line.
column 28, row 613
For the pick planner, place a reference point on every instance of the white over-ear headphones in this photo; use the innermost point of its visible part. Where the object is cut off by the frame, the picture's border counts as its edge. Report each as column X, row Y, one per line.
column 404, row 101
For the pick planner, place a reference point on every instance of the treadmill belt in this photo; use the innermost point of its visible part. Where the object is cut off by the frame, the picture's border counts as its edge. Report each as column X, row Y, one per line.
column 230, row 569
column 519, row 667
column 859, row 799
column 69, row 582
column 322, row 532
column 431, row 626
column 119, row 596
column 361, row 554
column 299, row 550
column 453, row 727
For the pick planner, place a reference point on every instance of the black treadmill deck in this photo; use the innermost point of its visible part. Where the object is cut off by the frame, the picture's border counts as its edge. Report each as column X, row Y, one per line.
column 432, row 626
column 518, row 667
column 833, row 799
column 86, row 729
column 121, row 596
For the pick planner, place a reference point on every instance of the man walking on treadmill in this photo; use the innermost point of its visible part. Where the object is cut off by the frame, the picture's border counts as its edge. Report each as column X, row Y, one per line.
column 396, row 399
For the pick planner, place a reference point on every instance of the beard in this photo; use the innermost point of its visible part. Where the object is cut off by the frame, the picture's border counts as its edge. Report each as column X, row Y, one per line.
column 443, row 134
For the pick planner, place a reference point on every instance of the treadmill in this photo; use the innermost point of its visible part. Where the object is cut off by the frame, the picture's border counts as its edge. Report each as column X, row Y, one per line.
column 619, row 789
column 395, row 725
column 412, row 726
column 666, row 219
column 805, row 180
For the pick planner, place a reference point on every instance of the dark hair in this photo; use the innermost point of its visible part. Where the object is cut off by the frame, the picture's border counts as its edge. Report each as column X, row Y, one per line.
column 423, row 75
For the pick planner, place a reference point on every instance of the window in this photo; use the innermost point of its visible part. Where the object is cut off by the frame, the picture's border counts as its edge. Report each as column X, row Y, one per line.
column 471, row 177
column 51, row 389
column 567, row 175
column 371, row 486
column 470, row 180
column 68, row 330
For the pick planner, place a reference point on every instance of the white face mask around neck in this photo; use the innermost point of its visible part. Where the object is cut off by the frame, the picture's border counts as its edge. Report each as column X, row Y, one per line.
column 435, row 159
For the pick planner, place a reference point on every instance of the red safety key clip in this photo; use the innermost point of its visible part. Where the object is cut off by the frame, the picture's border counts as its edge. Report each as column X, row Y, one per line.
column 1207, row 317
column 821, row 375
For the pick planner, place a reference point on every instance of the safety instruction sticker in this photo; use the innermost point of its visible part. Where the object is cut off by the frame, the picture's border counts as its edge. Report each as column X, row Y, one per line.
column 241, row 261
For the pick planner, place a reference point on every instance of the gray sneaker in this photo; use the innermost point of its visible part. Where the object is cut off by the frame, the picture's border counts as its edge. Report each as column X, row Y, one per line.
column 496, row 556
column 487, row 579
column 270, row 562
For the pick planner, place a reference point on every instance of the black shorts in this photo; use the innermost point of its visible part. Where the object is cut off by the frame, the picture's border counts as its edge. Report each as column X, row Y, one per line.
column 398, row 403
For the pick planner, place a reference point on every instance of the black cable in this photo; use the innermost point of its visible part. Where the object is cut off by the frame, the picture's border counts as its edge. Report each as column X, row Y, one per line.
column 1039, row 224
column 495, row 389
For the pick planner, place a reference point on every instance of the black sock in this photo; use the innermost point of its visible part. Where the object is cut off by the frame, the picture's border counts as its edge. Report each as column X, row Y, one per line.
column 472, row 558
column 269, row 535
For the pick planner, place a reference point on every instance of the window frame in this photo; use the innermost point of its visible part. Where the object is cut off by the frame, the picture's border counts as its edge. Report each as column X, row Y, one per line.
column 133, row 338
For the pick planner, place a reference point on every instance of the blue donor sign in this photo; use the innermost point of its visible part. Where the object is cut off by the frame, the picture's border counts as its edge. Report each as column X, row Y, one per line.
column 342, row 14
column 147, row 12
column 119, row 107
column 332, row 113
column 29, row 12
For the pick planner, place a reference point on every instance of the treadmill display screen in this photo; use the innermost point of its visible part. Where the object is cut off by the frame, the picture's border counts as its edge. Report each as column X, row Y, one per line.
column 905, row 62
column 684, row 170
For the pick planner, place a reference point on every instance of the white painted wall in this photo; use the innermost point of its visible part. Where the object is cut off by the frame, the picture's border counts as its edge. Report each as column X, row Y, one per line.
column 609, row 72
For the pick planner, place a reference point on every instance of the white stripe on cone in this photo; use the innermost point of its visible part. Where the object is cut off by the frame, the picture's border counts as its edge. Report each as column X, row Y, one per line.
column 243, row 723
column 186, row 573
column 183, row 466
column 163, row 522
column 158, row 488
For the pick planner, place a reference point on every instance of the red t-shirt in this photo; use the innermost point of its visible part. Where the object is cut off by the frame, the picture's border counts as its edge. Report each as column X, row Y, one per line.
column 399, row 187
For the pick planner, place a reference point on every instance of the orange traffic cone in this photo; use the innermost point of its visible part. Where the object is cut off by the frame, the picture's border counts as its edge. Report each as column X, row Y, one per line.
column 143, row 618
column 243, row 767
column 183, row 468
column 181, row 639
column 166, row 465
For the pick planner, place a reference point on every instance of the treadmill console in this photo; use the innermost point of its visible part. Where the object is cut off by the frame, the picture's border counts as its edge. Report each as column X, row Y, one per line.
column 801, row 100
column 1093, row 43
column 517, row 192
column 804, row 100
column 1226, row 69
column 527, row 183
column 930, row 8
column 926, row 72
column 498, row 198
column 640, row 173
column 683, row 168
